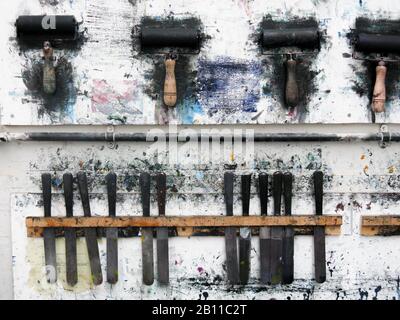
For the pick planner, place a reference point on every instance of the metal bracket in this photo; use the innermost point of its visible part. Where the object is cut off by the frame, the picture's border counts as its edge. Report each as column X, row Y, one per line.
column 110, row 137
column 386, row 136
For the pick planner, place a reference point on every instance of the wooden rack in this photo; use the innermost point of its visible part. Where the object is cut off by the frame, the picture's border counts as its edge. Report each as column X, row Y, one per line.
column 184, row 225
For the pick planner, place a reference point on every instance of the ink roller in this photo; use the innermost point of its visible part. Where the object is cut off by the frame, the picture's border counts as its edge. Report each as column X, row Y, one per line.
column 293, row 43
column 380, row 49
column 45, row 31
column 170, row 41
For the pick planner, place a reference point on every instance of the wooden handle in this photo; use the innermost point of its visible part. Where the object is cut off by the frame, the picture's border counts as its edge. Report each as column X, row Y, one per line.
column 379, row 95
column 49, row 71
column 170, row 83
column 292, row 89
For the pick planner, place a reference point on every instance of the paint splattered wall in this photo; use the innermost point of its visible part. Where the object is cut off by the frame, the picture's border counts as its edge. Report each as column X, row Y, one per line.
column 109, row 79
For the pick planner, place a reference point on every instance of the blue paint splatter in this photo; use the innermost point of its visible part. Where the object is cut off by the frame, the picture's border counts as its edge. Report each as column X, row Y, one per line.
column 229, row 85
column 188, row 110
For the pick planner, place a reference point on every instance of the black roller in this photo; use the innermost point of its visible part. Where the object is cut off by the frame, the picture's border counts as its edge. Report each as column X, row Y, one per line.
column 34, row 28
column 377, row 43
column 303, row 38
column 170, row 37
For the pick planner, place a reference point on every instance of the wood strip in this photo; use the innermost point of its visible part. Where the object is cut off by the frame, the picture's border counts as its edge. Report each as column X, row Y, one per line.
column 70, row 233
column 265, row 232
column 384, row 231
column 232, row 264
column 288, row 239
column 147, row 233
column 90, row 233
column 245, row 233
column 277, row 232
column 380, row 221
column 112, row 233
column 162, row 233
column 182, row 221
column 48, row 234
column 132, row 232
column 319, row 232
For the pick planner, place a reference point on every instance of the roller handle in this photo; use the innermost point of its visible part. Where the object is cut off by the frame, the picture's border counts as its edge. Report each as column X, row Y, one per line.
column 49, row 70
column 379, row 95
column 68, row 193
column 292, row 89
column 46, row 189
column 170, row 95
column 111, row 180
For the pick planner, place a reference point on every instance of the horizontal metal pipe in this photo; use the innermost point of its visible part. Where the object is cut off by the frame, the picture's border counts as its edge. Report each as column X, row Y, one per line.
column 182, row 137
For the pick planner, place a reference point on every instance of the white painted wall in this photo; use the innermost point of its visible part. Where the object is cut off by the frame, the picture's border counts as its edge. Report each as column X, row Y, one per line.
column 362, row 176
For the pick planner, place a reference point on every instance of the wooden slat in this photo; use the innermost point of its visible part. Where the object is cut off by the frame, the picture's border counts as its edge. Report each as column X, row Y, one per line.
column 380, row 221
column 182, row 221
column 380, row 225
column 179, row 232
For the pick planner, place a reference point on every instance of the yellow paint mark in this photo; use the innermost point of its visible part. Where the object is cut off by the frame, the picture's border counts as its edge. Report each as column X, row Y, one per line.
column 392, row 169
column 37, row 278
column 232, row 156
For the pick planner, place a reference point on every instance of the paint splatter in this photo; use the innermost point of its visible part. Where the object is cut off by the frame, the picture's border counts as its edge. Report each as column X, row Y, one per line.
column 339, row 206
column 227, row 86
column 117, row 103
column 60, row 104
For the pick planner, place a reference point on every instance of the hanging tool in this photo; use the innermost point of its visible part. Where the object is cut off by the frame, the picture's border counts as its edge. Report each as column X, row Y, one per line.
column 296, row 42
column 319, row 231
column 70, row 233
column 90, row 233
column 380, row 49
column 288, row 239
column 112, row 233
column 265, row 232
column 232, row 264
column 245, row 233
column 277, row 232
column 48, row 233
column 47, row 30
column 162, row 233
column 147, row 233
column 172, row 41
